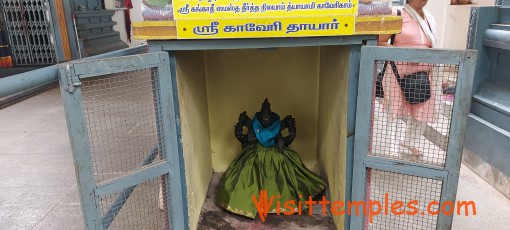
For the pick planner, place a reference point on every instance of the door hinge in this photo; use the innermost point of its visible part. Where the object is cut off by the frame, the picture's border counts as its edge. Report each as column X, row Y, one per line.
column 70, row 84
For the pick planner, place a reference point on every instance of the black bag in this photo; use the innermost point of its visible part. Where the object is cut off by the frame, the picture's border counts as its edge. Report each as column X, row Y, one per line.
column 416, row 86
column 379, row 91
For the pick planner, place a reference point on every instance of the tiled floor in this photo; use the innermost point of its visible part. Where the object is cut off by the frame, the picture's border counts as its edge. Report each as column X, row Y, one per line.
column 38, row 187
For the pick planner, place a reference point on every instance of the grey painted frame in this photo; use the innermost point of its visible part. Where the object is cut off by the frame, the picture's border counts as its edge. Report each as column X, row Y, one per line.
column 466, row 61
column 91, row 192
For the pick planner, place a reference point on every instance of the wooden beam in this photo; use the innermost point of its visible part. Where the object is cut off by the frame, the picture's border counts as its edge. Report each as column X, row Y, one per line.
column 63, row 30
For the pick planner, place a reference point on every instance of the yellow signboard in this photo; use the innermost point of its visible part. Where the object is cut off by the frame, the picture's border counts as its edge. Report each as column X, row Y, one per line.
column 215, row 9
column 203, row 19
column 265, row 27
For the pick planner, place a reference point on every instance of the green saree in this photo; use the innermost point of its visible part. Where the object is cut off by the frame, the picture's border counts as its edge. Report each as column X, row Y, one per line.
column 258, row 167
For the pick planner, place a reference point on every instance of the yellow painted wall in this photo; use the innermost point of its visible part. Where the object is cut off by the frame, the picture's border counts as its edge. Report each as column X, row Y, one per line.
column 191, row 84
column 240, row 80
column 211, row 96
column 332, row 127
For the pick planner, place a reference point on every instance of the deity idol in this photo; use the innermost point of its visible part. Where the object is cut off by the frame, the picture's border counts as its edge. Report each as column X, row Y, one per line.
column 266, row 163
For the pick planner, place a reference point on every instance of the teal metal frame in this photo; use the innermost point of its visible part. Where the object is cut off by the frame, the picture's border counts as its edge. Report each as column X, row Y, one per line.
column 354, row 68
column 466, row 61
column 90, row 191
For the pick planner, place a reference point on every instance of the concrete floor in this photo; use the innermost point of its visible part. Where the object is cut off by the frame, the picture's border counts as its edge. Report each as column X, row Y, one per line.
column 38, row 187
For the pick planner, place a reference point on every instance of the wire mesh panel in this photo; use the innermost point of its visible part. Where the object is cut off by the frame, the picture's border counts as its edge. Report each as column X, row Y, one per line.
column 121, row 117
column 30, row 30
column 412, row 112
column 121, row 112
column 405, row 201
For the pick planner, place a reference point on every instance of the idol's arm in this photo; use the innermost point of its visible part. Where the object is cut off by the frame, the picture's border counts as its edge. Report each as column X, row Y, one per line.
column 289, row 123
column 244, row 120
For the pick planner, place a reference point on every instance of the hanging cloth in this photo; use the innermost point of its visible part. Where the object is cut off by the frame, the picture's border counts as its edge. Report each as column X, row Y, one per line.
column 128, row 4
column 429, row 28
column 266, row 136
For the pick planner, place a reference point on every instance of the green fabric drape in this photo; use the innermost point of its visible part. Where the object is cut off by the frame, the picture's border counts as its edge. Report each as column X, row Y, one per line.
column 257, row 168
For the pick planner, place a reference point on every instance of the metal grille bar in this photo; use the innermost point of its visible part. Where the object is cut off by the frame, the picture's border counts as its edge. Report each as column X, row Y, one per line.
column 30, row 29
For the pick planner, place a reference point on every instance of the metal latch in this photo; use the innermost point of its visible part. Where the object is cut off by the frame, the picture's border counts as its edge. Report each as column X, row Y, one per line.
column 70, row 84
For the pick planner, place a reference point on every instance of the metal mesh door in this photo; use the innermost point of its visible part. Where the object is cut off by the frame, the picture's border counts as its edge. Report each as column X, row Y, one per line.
column 409, row 130
column 30, row 31
column 409, row 135
column 122, row 126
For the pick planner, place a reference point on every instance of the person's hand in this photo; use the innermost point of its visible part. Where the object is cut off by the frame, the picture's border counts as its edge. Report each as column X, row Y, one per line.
column 383, row 40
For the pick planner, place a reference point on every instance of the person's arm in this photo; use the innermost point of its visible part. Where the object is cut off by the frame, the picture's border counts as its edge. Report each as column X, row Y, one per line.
column 383, row 40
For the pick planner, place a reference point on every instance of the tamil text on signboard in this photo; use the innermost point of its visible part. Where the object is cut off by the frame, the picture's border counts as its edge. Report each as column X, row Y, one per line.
column 244, row 19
